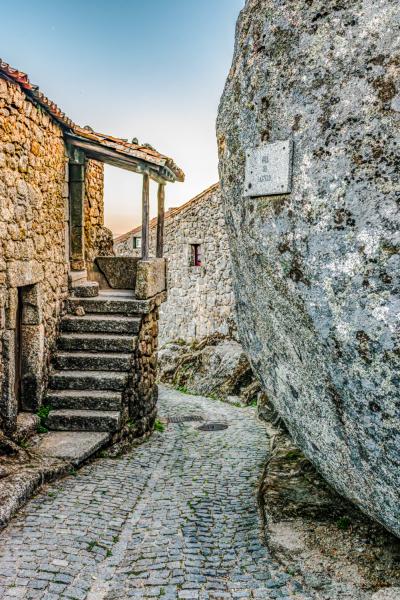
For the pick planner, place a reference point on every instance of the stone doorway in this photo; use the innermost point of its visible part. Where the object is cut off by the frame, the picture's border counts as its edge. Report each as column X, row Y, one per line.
column 18, row 349
column 29, row 348
column 23, row 348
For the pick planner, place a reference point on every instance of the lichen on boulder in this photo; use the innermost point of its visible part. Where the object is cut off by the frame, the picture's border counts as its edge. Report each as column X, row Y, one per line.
column 316, row 271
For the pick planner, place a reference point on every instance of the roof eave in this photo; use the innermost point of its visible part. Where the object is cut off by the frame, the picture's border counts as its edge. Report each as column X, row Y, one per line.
column 92, row 149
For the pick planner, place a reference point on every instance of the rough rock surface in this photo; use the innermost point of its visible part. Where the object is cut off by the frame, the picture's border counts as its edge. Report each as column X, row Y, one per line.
column 314, row 530
column 316, row 272
column 213, row 367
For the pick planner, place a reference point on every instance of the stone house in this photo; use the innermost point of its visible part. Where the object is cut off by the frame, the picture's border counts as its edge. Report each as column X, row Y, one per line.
column 200, row 296
column 55, row 324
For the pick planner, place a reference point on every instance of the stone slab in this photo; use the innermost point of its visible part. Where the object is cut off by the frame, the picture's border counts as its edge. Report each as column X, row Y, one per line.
column 27, row 424
column 150, row 278
column 21, row 272
column 86, row 289
column 74, row 446
column 119, row 271
column 269, row 169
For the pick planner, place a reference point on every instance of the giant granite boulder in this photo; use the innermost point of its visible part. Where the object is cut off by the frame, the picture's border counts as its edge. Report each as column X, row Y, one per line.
column 316, row 271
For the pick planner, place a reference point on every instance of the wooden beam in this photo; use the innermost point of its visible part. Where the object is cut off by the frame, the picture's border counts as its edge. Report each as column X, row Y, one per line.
column 160, row 220
column 157, row 170
column 145, row 216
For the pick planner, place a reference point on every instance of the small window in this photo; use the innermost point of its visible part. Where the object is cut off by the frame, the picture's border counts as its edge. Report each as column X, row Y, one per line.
column 196, row 255
column 137, row 242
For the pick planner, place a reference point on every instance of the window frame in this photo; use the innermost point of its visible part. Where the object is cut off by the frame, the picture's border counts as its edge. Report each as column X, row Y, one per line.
column 196, row 255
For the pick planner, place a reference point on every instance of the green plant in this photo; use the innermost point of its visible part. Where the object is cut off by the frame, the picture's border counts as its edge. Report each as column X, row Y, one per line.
column 91, row 545
column 72, row 472
column 293, row 454
column 183, row 389
column 159, row 426
column 343, row 523
column 43, row 414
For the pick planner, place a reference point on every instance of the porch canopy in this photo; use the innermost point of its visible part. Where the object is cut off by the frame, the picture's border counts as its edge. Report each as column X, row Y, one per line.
column 142, row 159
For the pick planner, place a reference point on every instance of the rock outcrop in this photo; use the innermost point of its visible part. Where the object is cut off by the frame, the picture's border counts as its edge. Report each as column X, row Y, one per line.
column 213, row 366
column 316, row 271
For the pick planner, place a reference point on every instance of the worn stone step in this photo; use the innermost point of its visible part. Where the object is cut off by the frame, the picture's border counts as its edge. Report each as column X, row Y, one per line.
column 86, row 289
column 87, row 380
column 73, row 446
column 109, row 305
column 87, row 361
column 84, row 399
column 83, row 420
column 95, row 342
column 100, row 324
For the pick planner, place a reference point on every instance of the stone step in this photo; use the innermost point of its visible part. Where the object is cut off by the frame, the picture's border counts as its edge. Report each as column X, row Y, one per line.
column 73, row 446
column 100, row 324
column 95, row 342
column 86, row 361
column 84, row 399
column 87, row 289
column 83, row 420
column 109, row 305
column 87, row 380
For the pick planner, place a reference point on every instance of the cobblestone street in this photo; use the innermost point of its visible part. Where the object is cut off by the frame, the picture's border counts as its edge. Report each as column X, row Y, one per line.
column 174, row 518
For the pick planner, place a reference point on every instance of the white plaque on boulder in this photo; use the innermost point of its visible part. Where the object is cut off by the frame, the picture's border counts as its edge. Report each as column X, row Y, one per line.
column 269, row 169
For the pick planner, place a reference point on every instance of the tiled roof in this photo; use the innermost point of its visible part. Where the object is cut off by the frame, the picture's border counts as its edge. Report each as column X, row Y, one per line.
column 117, row 144
column 172, row 212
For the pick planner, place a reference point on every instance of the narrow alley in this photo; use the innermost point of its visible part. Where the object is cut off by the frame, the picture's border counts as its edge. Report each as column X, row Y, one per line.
column 174, row 518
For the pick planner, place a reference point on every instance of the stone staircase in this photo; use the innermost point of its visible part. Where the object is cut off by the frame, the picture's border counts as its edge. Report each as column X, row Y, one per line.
column 94, row 360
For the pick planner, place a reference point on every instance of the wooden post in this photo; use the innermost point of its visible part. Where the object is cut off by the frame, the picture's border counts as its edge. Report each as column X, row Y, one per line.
column 145, row 216
column 160, row 220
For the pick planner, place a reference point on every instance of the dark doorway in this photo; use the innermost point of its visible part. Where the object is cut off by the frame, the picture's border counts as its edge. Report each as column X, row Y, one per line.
column 18, row 349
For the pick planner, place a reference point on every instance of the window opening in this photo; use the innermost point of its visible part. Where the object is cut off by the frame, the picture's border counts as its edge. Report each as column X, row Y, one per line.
column 196, row 255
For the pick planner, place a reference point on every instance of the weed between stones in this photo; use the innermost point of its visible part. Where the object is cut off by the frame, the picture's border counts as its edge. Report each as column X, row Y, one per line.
column 159, row 426
column 43, row 413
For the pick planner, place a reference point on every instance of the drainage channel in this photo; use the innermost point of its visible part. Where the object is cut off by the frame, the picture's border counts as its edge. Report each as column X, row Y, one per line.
column 185, row 419
column 206, row 426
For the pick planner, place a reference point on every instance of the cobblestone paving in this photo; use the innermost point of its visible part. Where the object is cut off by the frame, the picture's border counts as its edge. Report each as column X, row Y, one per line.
column 175, row 518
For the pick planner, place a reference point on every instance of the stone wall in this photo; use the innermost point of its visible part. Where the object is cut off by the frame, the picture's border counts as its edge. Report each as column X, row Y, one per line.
column 33, row 246
column 144, row 407
column 98, row 239
column 200, row 298
column 316, row 272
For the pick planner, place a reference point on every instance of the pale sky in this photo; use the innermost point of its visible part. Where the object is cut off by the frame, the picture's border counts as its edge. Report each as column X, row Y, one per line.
column 130, row 68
